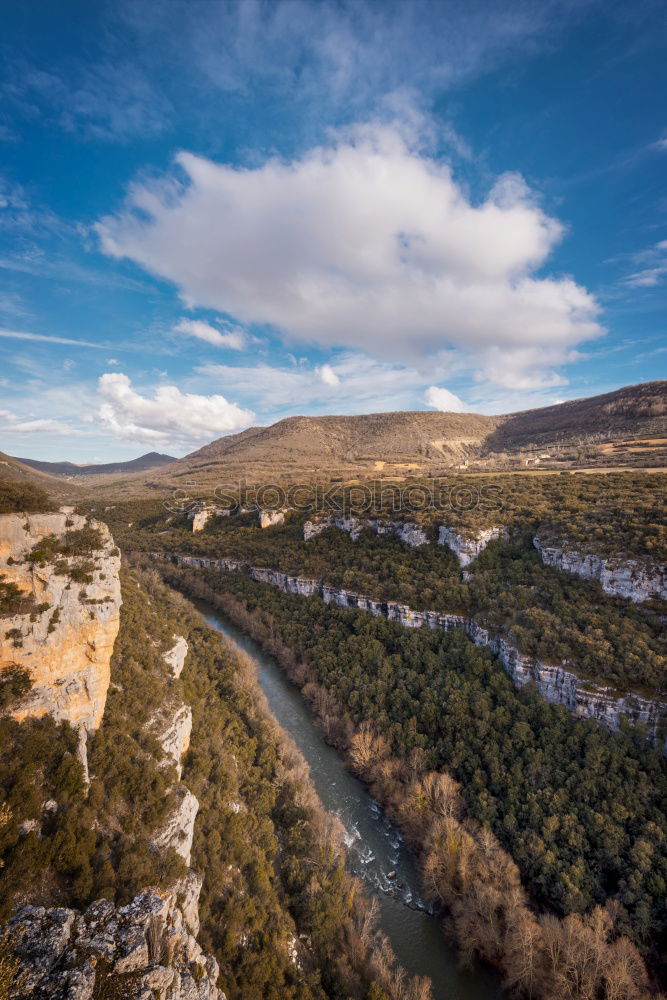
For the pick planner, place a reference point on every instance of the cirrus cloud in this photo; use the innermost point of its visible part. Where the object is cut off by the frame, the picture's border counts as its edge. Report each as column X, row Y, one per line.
column 186, row 419
column 366, row 244
column 234, row 338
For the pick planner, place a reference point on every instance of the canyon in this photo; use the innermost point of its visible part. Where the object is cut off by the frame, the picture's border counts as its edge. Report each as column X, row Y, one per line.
column 558, row 683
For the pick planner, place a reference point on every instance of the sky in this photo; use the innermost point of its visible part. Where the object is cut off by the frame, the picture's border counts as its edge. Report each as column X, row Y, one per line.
column 215, row 214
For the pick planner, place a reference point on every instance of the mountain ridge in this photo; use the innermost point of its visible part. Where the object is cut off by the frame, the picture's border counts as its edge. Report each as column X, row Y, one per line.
column 151, row 460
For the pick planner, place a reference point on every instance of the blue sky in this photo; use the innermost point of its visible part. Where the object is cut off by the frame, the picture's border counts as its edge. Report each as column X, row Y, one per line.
column 214, row 215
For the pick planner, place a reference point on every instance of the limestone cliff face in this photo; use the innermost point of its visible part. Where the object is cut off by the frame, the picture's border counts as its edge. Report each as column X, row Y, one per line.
column 172, row 726
column 179, row 830
column 412, row 534
column 267, row 518
column 467, row 548
column 66, row 643
column 556, row 682
column 143, row 950
column 638, row 580
column 175, row 657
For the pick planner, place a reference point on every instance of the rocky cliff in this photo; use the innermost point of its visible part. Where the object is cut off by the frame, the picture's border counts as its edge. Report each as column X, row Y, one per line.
column 557, row 683
column 412, row 534
column 63, row 631
column 465, row 548
column 140, row 951
column 638, row 580
column 172, row 727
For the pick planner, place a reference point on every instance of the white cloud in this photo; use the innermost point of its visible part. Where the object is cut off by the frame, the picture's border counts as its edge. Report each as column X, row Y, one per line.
column 10, row 423
column 366, row 244
column 652, row 267
column 233, row 338
column 41, row 338
column 443, row 399
column 169, row 417
column 359, row 385
column 328, row 375
column 113, row 361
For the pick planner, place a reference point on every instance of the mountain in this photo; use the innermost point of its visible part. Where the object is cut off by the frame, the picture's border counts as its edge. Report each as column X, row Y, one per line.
column 16, row 471
column 637, row 411
column 625, row 428
column 151, row 460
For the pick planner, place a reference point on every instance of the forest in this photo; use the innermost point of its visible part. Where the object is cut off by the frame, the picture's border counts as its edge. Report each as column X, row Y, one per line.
column 272, row 860
column 553, row 616
column 579, row 809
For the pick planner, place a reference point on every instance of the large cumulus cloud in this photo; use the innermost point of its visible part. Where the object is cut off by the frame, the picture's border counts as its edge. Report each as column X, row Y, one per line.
column 368, row 244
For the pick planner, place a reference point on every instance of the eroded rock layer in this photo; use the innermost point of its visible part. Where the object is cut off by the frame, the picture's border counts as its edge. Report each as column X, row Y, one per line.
column 64, row 634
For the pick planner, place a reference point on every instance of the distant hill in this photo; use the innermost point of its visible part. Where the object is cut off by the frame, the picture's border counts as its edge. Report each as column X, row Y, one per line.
column 16, row 471
column 150, row 461
column 622, row 429
column 628, row 426
column 636, row 411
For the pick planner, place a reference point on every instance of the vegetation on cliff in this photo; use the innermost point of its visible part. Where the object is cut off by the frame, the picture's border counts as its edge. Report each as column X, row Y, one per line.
column 551, row 615
column 278, row 909
column 579, row 809
column 23, row 497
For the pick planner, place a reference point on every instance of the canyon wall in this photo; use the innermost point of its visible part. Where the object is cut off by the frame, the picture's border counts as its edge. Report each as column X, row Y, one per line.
column 65, row 638
column 635, row 579
column 555, row 682
column 142, row 950
column 465, row 547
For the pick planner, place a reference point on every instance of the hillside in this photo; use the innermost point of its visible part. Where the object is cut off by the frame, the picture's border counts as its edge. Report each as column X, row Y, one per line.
column 151, row 460
column 15, row 471
column 625, row 428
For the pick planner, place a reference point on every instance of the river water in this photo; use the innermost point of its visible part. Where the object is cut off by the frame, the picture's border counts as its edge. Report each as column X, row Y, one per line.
column 375, row 847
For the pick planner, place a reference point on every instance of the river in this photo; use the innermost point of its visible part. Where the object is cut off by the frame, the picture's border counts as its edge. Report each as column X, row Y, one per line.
column 376, row 849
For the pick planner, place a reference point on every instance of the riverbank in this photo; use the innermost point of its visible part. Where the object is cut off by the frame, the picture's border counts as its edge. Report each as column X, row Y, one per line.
column 463, row 865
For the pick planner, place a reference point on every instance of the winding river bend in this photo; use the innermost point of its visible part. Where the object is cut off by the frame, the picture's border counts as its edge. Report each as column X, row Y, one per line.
column 375, row 848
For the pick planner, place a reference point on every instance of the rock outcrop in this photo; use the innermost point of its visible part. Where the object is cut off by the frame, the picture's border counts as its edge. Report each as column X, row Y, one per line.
column 557, row 683
column 412, row 534
column 172, row 727
column 178, row 832
column 267, row 518
column 65, row 639
column 468, row 547
column 175, row 657
column 638, row 580
column 139, row 951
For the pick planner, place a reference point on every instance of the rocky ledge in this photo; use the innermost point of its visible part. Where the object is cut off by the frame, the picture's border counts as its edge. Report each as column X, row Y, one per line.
column 465, row 547
column 65, row 638
column 557, row 683
column 138, row 952
column 412, row 534
column 638, row 580
column 172, row 727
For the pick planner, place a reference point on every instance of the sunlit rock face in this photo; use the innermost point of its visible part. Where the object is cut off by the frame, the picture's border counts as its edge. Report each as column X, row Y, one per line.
column 267, row 518
column 466, row 548
column 412, row 534
column 175, row 657
column 172, row 727
column 638, row 580
column 65, row 643
column 178, row 831
column 143, row 950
